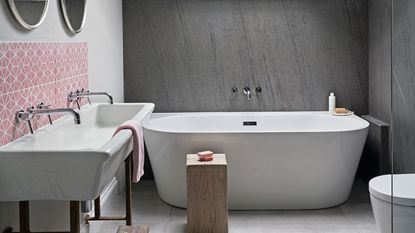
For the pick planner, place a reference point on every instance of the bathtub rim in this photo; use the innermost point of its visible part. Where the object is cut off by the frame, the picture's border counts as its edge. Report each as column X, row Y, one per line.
column 173, row 114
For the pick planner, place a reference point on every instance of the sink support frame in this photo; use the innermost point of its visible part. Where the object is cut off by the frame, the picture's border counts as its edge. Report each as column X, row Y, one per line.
column 24, row 219
column 75, row 210
column 128, row 199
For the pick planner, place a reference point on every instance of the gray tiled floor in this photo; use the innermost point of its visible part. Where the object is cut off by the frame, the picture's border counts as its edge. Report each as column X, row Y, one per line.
column 355, row 216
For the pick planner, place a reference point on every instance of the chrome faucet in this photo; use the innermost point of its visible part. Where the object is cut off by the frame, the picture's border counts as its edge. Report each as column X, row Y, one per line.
column 32, row 112
column 247, row 92
column 77, row 95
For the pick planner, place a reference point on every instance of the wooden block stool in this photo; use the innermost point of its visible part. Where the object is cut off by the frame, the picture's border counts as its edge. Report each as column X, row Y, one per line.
column 133, row 229
column 207, row 203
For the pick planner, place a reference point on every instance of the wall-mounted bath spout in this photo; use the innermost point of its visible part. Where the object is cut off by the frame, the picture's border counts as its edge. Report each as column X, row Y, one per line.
column 247, row 92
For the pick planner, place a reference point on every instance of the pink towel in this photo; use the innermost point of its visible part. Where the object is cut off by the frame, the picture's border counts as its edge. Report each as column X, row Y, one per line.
column 138, row 147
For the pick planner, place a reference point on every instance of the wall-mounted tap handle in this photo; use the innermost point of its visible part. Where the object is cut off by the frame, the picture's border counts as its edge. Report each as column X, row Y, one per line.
column 72, row 96
column 19, row 116
column 258, row 90
column 24, row 116
column 78, row 104
column 87, row 97
column 29, row 123
column 234, row 90
column 44, row 106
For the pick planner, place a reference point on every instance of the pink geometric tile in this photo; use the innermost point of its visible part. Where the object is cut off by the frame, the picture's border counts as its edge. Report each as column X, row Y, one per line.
column 34, row 72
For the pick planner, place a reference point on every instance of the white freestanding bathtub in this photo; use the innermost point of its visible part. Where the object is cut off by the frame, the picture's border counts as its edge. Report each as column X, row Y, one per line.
column 276, row 160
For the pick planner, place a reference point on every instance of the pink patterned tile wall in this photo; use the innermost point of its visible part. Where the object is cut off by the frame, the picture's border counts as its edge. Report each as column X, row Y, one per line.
column 34, row 72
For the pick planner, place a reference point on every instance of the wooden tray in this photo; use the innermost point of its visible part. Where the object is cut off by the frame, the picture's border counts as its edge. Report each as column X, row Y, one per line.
column 343, row 114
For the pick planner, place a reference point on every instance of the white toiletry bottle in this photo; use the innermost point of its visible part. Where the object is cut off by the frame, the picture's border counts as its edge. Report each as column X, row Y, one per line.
column 332, row 103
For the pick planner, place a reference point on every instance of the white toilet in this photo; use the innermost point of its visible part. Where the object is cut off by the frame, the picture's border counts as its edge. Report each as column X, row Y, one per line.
column 403, row 203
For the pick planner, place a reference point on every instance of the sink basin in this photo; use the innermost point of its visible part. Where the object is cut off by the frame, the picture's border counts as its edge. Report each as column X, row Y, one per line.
column 67, row 162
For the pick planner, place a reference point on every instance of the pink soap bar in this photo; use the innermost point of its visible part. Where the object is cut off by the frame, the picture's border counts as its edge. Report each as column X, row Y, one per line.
column 204, row 154
column 209, row 158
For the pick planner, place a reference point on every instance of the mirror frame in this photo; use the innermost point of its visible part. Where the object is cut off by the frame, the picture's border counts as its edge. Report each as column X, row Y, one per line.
column 68, row 21
column 21, row 21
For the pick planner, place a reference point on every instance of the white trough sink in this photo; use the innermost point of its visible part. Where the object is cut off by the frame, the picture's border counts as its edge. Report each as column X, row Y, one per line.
column 65, row 161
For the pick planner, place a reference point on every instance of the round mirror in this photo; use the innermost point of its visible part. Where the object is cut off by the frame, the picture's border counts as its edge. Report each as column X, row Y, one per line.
column 74, row 13
column 29, row 13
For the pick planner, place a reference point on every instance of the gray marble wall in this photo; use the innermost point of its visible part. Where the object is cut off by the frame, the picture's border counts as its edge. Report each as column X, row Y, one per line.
column 403, row 86
column 380, row 22
column 376, row 159
column 392, row 78
column 186, row 55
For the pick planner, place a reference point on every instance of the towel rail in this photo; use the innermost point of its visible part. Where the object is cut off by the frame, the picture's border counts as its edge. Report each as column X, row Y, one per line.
column 128, row 200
